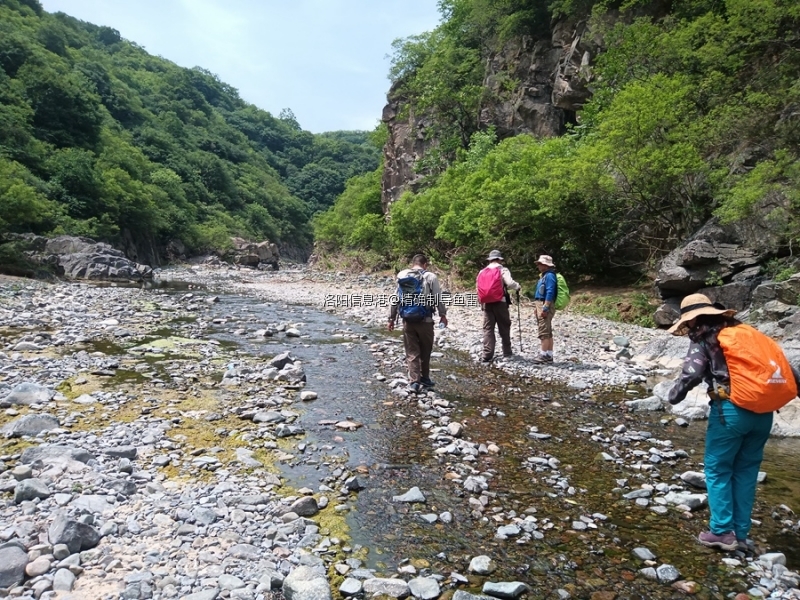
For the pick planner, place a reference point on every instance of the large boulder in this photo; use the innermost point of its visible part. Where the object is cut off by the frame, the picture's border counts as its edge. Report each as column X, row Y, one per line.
column 83, row 258
column 716, row 253
column 253, row 254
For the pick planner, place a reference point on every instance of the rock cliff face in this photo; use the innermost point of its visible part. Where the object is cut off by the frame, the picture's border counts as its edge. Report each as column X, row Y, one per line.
column 533, row 86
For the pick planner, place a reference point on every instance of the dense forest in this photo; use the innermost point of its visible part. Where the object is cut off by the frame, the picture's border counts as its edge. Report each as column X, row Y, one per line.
column 694, row 112
column 99, row 138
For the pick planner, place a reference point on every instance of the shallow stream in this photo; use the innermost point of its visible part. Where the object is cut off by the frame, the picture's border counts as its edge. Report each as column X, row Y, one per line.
column 395, row 453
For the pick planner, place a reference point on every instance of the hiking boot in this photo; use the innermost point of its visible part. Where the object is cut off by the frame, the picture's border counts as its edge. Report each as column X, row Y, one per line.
column 427, row 382
column 726, row 541
column 415, row 388
column 543, row 359
column 487, row 360
column 745, row 546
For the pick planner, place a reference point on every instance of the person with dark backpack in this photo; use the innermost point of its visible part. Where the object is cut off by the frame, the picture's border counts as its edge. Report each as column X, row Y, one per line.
column 493, row 283
column 748, row 377
column 419, row 296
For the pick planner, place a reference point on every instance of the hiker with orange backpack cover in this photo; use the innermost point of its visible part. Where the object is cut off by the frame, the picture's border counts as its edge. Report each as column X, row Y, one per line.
column 493, row 283
column 748, row 378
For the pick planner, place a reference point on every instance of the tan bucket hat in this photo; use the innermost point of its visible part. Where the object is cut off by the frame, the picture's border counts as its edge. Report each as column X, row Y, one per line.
column 546, row 259
column 694, row 305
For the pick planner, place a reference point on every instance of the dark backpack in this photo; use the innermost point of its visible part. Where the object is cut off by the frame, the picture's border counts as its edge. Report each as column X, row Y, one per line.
column 411, row 301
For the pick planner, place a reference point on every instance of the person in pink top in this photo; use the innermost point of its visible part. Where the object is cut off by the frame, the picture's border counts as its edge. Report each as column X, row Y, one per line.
column 493, row 283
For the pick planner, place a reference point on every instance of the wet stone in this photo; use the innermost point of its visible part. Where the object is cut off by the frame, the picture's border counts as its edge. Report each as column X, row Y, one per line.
column 640, row 493
column 462, row 595
column 425, row 588
column 394, row 588
column 667, row 573
column 649, row 573
column 505, row 589
column 350, row 587
column 482, row 565
column 642, row 553
column 412, row 495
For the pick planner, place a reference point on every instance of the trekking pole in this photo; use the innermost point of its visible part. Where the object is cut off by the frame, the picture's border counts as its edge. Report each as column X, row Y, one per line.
column 519, row 323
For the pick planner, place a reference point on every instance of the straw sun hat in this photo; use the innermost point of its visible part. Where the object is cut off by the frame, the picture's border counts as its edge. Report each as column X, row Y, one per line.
column 693, row 306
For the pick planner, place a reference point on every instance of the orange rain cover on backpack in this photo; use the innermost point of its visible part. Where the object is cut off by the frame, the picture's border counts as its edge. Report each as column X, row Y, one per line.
column 761, row 378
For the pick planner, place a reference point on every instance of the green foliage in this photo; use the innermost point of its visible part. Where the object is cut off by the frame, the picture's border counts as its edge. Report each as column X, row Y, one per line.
column 356, row 219
column 693, row 113
column 22, row 206
column 99, row 138
column 626, row 307
column 713, row 279
column 780, row 269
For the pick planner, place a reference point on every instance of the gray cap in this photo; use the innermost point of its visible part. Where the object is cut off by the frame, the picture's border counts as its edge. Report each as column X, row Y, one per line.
column 495, row 255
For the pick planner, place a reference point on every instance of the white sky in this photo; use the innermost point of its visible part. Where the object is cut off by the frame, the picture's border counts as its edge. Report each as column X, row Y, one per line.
column 325, row 59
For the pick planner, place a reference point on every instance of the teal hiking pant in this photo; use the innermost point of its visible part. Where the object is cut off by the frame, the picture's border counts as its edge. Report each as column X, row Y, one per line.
column 734, row 448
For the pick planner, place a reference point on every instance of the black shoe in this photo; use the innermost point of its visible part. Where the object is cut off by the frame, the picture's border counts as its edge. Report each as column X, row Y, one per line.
column 415, row 388
column 509, row 355
column 427, row 382
column 487, row 360
column 543, row 359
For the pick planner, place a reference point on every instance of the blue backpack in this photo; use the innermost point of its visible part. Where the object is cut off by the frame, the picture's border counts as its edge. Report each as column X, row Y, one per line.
column 411, row 301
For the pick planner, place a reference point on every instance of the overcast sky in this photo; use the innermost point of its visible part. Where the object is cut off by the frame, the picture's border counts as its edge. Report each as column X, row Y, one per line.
column 324, row 59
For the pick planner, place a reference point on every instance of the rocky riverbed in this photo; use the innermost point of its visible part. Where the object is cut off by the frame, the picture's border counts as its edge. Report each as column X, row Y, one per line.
column 246, row 434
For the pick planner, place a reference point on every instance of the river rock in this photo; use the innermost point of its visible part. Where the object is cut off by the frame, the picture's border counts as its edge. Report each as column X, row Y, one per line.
column 306, row 583
column 412, row 495
column 482, row 565
column 76, row 535
column 31, row 424
column 13, row 559
column 643, row 554
column 210, row 594
column 394, row 588
column 667, row 573
column 37, row 567
column 350, row 587
column 305, row 507
column 245, row 457
column 128, row 452
column 462, row 595
column 54, row 454
column 505, row 589
column 29, row 393
column 695, row 478
column 92, row 503
column 650, row 404
column 693, row 501
column 29, row 489
column 425, row 588
column 281, row 360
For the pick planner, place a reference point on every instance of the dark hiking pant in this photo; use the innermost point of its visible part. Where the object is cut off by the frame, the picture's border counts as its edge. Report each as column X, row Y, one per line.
column 418, row 342
column 496, row 313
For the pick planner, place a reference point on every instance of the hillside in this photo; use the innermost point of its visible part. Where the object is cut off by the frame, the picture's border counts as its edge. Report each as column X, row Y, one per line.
column 603, row 133
column 99, row 138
